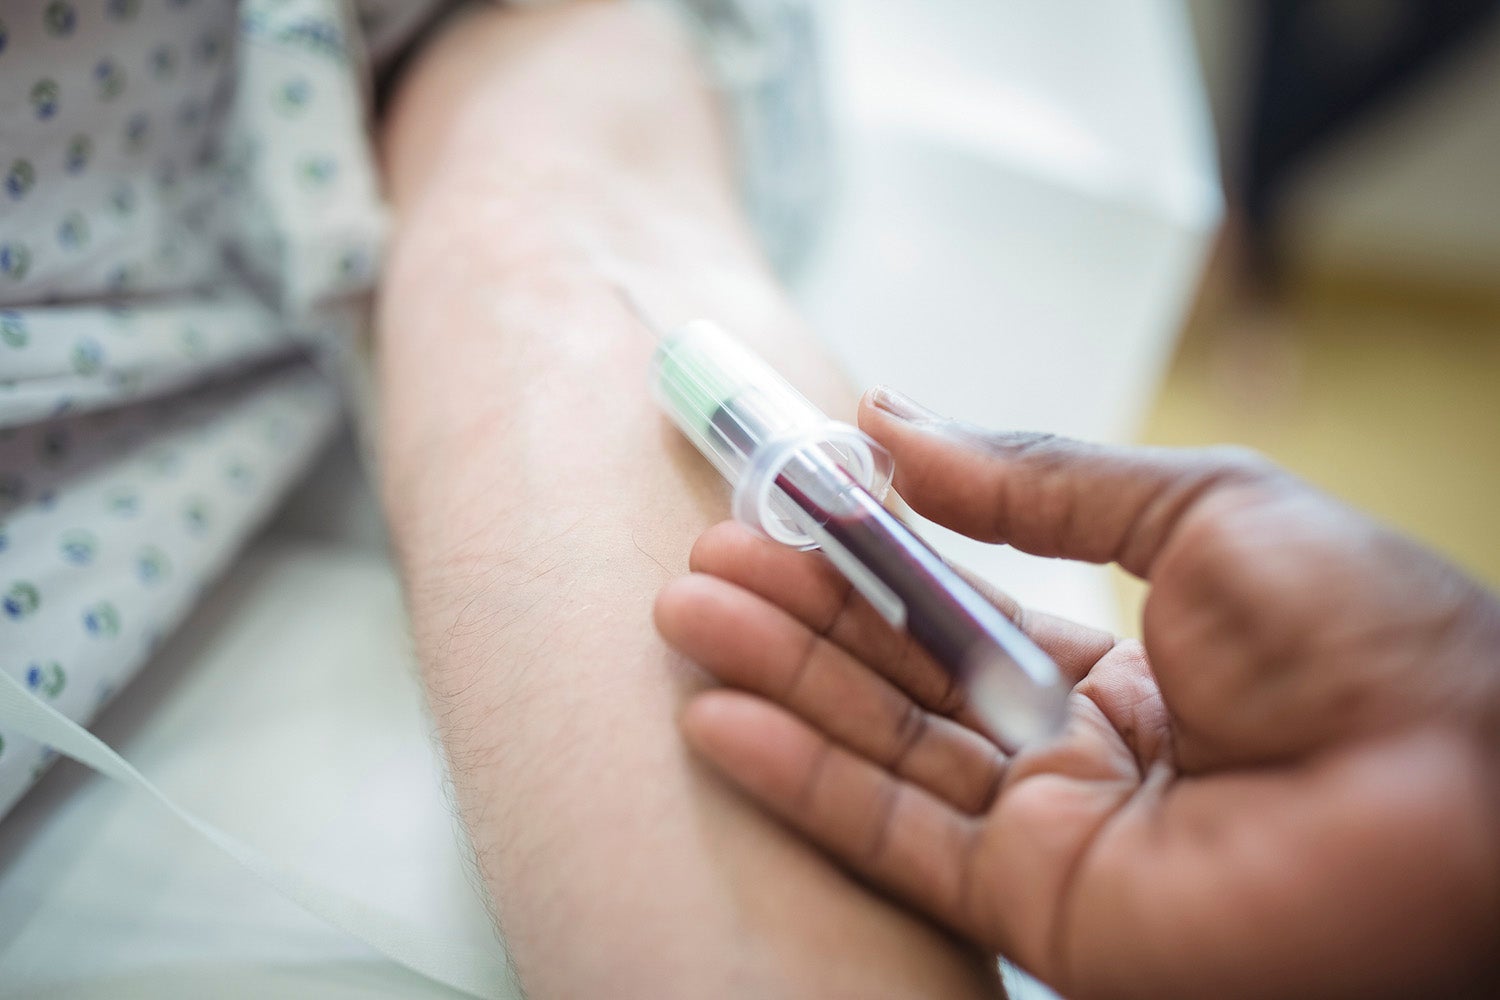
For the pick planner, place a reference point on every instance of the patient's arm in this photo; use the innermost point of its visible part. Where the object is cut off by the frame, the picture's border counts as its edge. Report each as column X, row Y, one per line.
column 538, row 502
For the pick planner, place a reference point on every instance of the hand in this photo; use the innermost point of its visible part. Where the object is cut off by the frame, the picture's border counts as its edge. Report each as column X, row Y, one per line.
column 1293, row 786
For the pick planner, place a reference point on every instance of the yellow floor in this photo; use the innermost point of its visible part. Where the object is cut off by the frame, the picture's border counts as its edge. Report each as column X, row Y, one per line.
column 1388, row 398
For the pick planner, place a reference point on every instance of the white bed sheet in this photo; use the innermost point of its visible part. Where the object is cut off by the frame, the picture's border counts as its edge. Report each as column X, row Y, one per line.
column 300, row 732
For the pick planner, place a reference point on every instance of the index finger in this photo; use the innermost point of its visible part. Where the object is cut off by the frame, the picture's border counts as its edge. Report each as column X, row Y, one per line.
column 1051, row 496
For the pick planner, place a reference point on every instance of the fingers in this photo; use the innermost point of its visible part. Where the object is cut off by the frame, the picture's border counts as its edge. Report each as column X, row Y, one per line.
column 882, row 828
column 749, row 643
column 811, row 590
column 1052, row 496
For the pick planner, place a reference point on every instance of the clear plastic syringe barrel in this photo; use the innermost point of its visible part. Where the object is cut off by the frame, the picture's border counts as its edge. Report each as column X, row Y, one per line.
column 751, row 424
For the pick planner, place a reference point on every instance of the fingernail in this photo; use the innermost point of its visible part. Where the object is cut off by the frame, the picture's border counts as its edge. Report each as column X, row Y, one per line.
column 903, row 407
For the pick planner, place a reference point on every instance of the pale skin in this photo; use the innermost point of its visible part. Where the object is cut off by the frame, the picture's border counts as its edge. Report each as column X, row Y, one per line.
column 1292, row 787
column 538, row 501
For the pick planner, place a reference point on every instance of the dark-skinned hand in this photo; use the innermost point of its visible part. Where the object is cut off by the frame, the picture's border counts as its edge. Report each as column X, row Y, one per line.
column 1291, row 787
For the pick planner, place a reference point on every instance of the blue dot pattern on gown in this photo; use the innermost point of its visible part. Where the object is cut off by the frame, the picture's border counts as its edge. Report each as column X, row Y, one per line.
column 167, row 278
column 190, row 223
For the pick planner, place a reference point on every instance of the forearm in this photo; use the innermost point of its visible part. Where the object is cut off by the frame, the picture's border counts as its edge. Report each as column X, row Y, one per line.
column 538, row 502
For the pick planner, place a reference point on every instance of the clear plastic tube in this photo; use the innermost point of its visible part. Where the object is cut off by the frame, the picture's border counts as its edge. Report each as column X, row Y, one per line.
column 808, row 481
column 751, row 424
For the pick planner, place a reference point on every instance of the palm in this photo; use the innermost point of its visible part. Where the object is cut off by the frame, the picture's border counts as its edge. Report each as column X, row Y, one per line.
column 1077, row 856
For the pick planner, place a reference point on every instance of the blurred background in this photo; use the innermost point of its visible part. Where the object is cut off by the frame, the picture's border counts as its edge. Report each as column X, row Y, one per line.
column 1183, row 222
column 1349, row 321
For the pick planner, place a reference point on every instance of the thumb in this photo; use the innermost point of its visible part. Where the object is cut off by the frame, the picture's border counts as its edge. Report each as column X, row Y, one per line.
column 1053, row 496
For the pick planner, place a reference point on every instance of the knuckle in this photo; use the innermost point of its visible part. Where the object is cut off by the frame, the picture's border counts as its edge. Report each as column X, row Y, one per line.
column 989, row 791
column 887, row 806
column 1131, row 649
column 807, row 789
column 910, row 729
column 953, row 698
column 1216, row 533
column 1237, row 463
column 843, row 605
column 1006, row 444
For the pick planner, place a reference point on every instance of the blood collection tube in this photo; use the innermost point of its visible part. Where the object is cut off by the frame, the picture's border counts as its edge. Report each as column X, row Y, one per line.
column 808, row 481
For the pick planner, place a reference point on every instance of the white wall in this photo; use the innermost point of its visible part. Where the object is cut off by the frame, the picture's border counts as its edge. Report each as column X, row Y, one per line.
column 1025, row 197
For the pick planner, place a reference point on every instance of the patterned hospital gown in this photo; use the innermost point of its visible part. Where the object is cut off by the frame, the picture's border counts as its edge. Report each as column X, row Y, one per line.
column 190, row 225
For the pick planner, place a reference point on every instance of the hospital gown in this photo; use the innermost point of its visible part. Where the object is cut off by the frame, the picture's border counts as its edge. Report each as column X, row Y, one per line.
column 190, row 227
